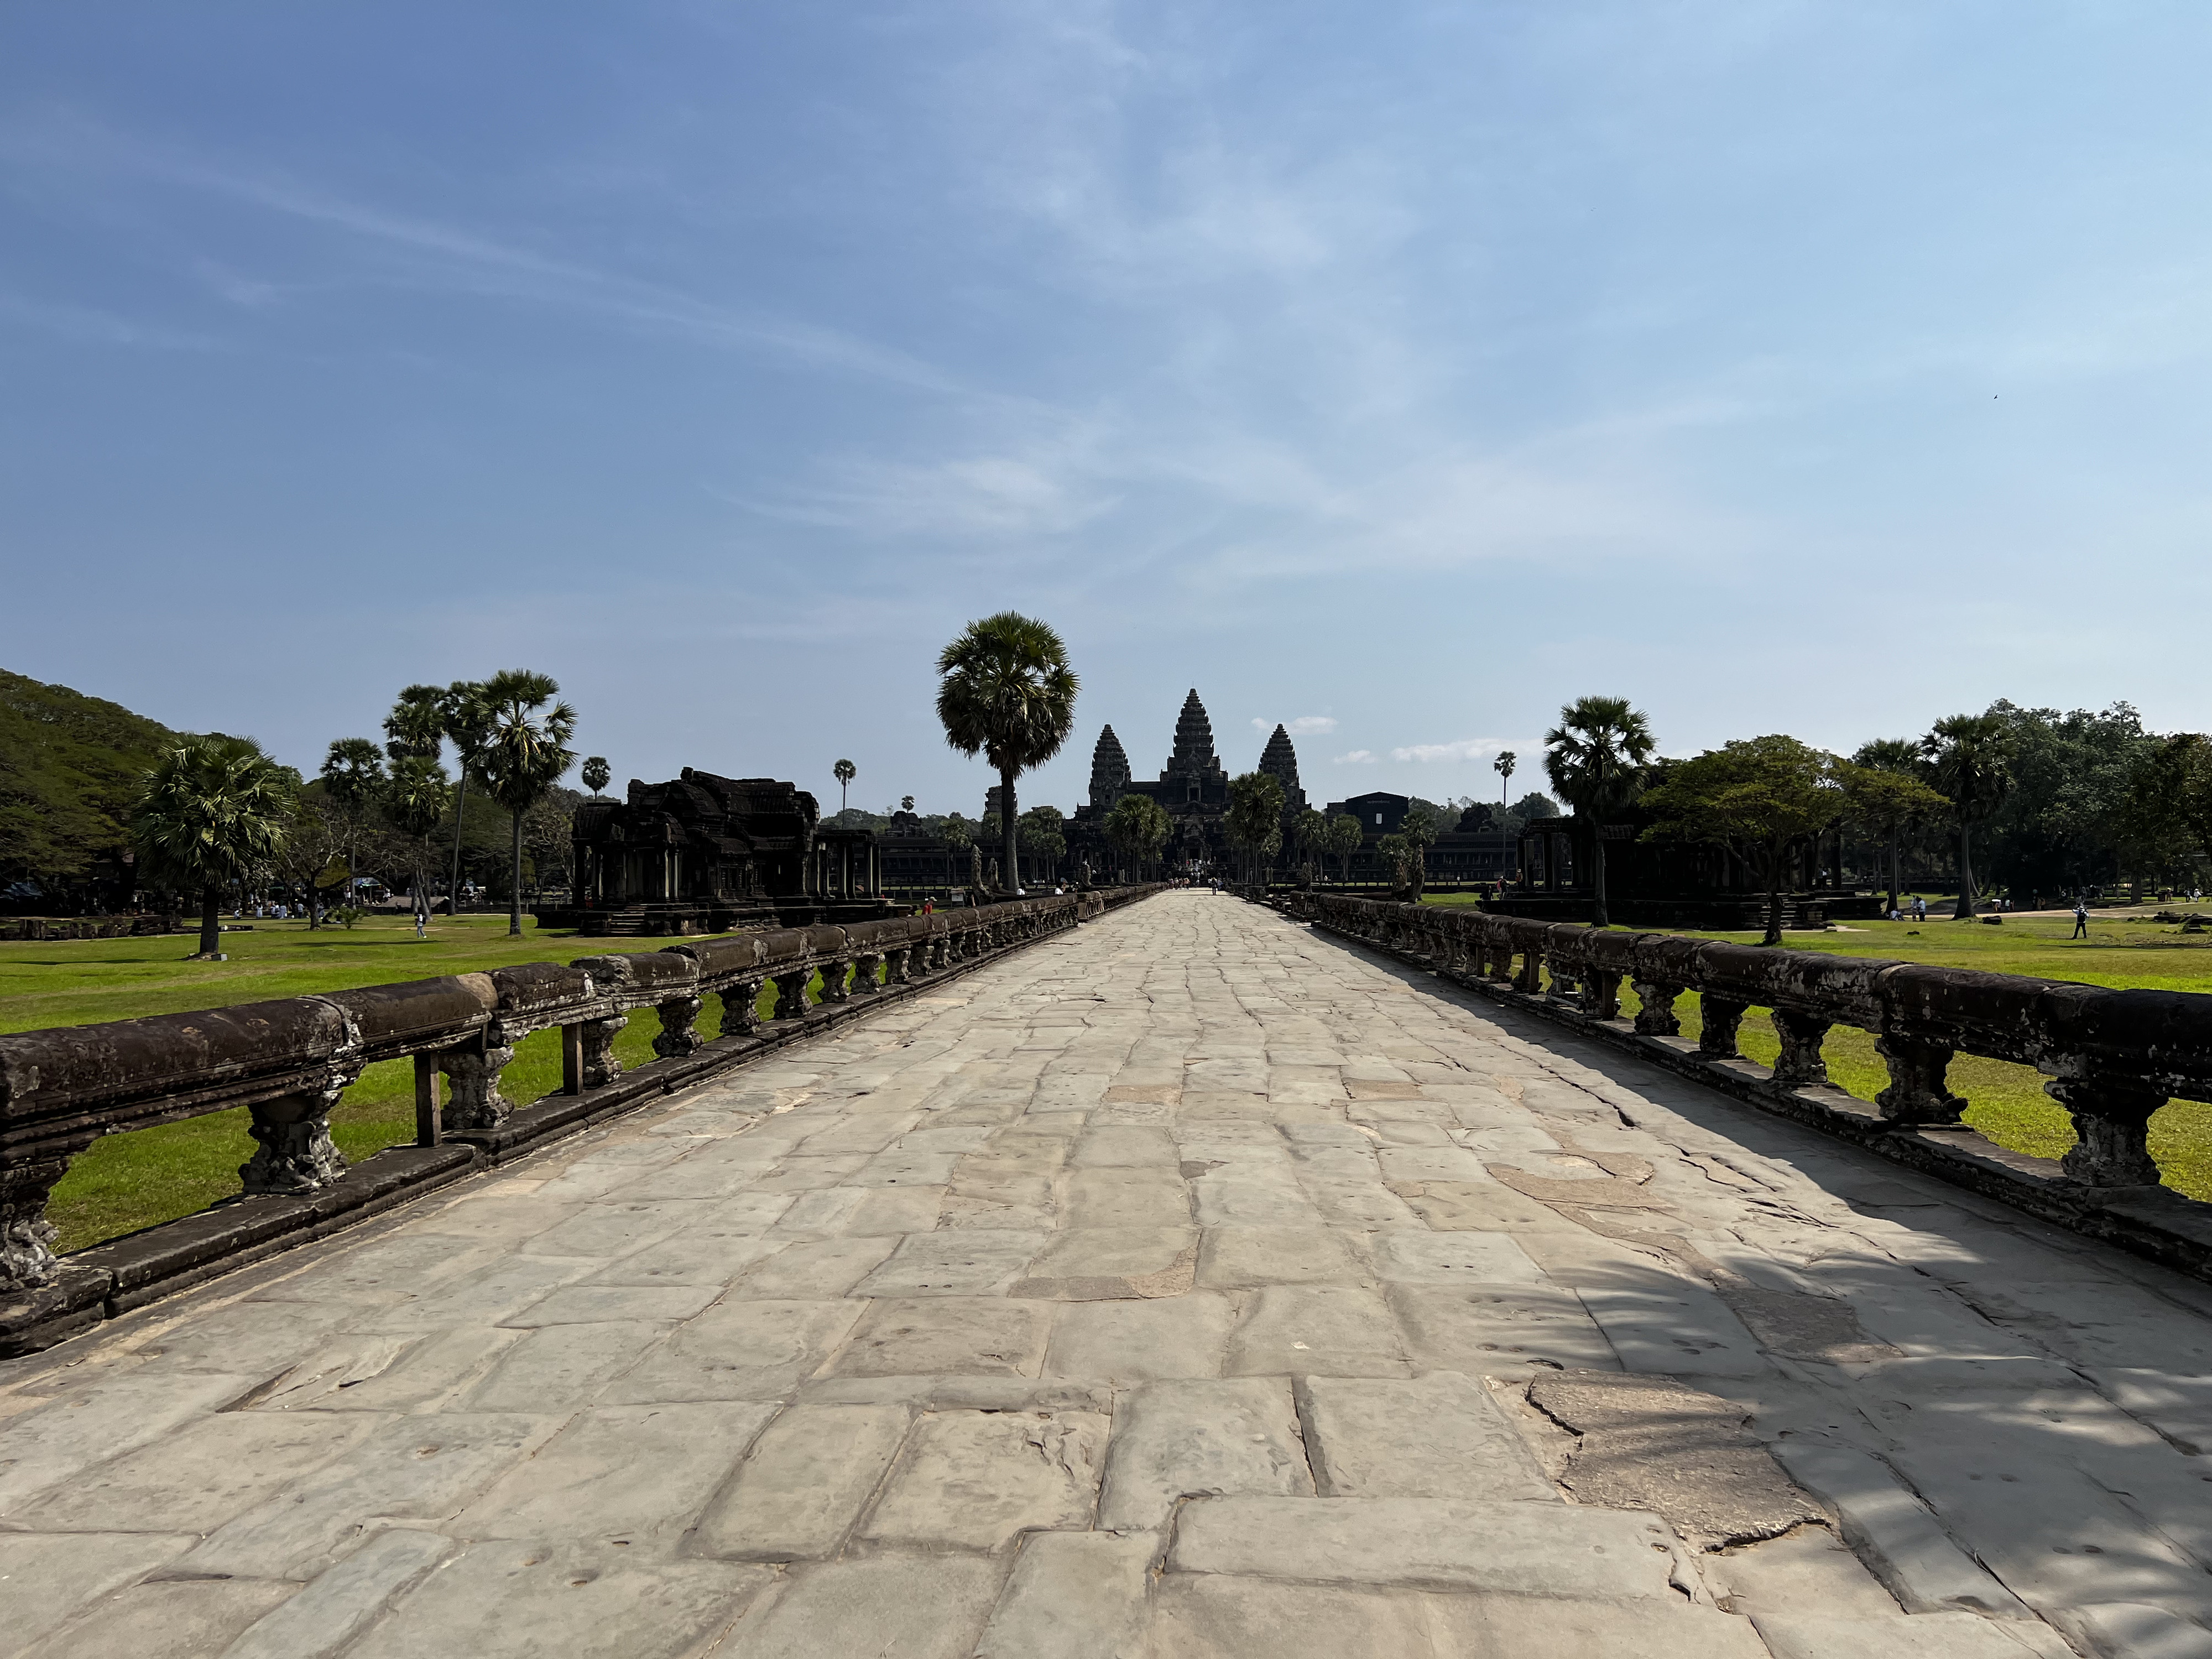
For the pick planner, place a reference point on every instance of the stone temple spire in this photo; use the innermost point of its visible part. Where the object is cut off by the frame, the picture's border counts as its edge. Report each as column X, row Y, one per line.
column 1109, row 771
column 1280, row 761
column 1194, row 758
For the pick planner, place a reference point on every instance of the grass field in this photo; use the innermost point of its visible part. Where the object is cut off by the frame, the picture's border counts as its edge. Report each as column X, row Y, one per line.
column 127, row 1181
column 2126, row 950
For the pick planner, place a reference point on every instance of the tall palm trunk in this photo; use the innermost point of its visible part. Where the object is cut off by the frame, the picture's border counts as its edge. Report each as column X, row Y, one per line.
column 210, row 920
column 514, row 891
column 1966, row 875
column 1012, row 876
column 1894, row 883
column 1598, row 917
column 1777, row 854
column 460, row 811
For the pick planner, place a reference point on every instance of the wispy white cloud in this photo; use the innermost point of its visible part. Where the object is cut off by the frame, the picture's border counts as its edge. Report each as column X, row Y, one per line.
column 1464, row 749
column 1357, row 758
column 1305, row 726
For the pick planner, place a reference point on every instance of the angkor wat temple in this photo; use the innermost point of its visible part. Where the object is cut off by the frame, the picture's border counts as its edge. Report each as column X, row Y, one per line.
column 1193, row 787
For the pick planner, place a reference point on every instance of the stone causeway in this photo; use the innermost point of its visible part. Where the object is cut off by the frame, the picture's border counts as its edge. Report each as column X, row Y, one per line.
column 1191, row 1285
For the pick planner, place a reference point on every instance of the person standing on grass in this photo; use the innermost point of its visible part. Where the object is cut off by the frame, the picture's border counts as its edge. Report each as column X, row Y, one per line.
column 2081, row 919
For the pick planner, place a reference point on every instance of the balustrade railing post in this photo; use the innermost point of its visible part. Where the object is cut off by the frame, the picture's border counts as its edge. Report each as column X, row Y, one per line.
column 679, row 1034
column 292, row 1151
column 2112, row 1115
column 1718, row 1019
column 26, row 1256
column 833, row 988
column 1800, row 1065
column 791, row 994
column 1530, row 979
column 865, row 969
column 1655, row 1014
column 1602, row 993
column 1917, row 1091
column 741, row 1007
column 473, row 1102
column 429, row 1130
column 572, row 1060
column 600, row 1065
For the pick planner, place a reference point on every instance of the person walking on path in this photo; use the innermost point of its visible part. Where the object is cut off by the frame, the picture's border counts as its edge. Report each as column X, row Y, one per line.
column 1919, row 907
column 2081, row 919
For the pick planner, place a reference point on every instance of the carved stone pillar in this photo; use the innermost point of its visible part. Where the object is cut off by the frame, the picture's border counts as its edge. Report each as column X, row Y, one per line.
column 1656, row 1017
column 833, row 987
column 678, row 1034
column 473, row 1101
column 1530, row 978
column 1799, row 1066
column 741, row 1008
column 1718, row 1020
column 865, row 967
column 1917, row 1091
column 292, row 1151
column 27, row 1237
column 2112, row 1118
column 898, row 965
column 600, row 1065
column 1565, row 984
column 791, row 994
column 1601, row 995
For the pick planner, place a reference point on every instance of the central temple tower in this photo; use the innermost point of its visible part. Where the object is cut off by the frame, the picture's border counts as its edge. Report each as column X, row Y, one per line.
column 1193, row 773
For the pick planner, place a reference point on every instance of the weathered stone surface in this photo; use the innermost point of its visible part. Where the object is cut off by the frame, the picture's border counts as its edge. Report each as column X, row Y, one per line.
column 1428, row 1543
column 1339, row 1330
column 972, row 1261
column 1243, row 1258
column 1489, row 1331
column 1106, row 1264
column 560, row 1367
column 969, row 1335
column 49, row 1444
column 798, row 1493
column 737, row 1351
column 1514, row 1627
column 49, row 1577
column 812, row 1270
column 1931, row 1636
column 197, row 1477
column 928, row 1606
column 327, row 1614
column 1174, row 1440
column 1147, row 1341
column 1438, row 1436
column 979, row 1479
column 1206, row 1618
column 1451, row 1258
column 183, row 1620
column 1074, row 1596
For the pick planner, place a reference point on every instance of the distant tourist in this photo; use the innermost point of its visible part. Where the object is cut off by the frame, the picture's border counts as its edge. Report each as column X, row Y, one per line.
column 2081, row 919
column 1919, row 907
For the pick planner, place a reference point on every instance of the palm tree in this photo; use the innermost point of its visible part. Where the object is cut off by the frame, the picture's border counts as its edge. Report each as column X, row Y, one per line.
column 416, row 796
column 209, row 808
column 525, row 755
column 1005, row 691
column 596, row 775
column 1896, row 757
column 844, row 771
column 467, row 719
column 1971, row 758
column 1595, row 757
column 1346, row 834
column 353, row 777
column 1503, row 767
column 417, row 724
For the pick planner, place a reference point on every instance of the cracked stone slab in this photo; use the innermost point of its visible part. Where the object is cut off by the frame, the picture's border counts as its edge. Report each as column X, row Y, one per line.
column 1074, row 1596
column 1174, row 1440
column 985, row 1336
column 1451, row 1258
column 1499, row 1331
column 1649, row 1443
column 1110, row 1264
column 1438, row 1436
column 930, row 1606
column 345, row 1600
column 1199, row 1617
column 737, row 1351
column 1515, row 1627
column 1342, row 1330
column 806, row 1481
column 176, row 1619
column 1145, row 1342
column 50, row 1576
column 971, row 1261
column 979, row 1479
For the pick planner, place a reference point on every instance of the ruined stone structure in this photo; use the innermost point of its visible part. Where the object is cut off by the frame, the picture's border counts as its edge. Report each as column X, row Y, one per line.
column 1471, row 849
column 703, row 854
column 1279, row 761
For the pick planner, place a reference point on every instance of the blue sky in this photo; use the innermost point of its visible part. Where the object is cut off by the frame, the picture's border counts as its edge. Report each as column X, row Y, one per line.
column 1404, row 370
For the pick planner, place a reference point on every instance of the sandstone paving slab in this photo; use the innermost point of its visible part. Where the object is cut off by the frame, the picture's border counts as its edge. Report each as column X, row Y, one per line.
column 47, row 1577
column 987, row 1336
column 1117, row 1197
column 49, row 1444
column 802, row 1485
column 1807, row 1635
column 1239, row 1258
column 1096, row 1264
column 1123, row 1146
column 2180, row 1407
column 972, row 1261
column 737, row 1351
column 394, row 1268
column 1483, row 1204
column 1516, row 1626
column 497, row 1215
column 509, row 1599
column 1337, row 1330
column 701, row 1255
column 1409, row 1257
column 1074, row 1596
column 1541, row 1549
column 560, row 1367
column 1199, row 1617
column 1360, row 1205
column 488, row 1298
column 343, row 1362
column 1179, row 1439
column 1439, row 1435
column 978, row 1481
column 928, row 1607
column 1492, row 1330
column 1674, row 1330
column 2134, row 1629
column 198, row 1476
column 243, row 1338
column 1806, row 1569
column 180, row 1619
column 1152, row 1340
column 417, row 1469
column 888, row 1210
column 632, row 1475
column 594, row 1304
column 812, row 1270
column 1242, row 1192
column 432, row 1368
column 345, row 1600
column 612, row 1227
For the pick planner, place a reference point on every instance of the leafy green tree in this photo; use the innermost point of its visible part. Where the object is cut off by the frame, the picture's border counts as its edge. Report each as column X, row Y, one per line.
column 1970, row 760
column 1139, row 827
column 2067, row 818
column 844, row 771
column 1891, row 796
column 1595, row 758
column 1310, row 830
column 416, row 796
column 1044, row 835
column 1005, row 691
column 1345, row 833
column 1417, row 830
column 2170, row 809
column 353, row 778
column 1253, row 820
column 1535, row 806
column 1758, row 797
column 208, row 809
column 526, row 753
column 466, row 712
column 595, row 775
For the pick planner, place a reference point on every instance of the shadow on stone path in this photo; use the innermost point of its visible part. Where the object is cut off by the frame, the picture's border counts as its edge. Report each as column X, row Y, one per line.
column 1189, row 1285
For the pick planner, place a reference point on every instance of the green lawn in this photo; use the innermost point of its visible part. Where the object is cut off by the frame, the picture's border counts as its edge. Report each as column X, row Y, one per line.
column 2127, row 950
column 127, row 1181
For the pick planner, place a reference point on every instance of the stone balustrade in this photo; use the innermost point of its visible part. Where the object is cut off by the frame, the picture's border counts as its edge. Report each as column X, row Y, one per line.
column 289, row 1061
column 2111, row 1058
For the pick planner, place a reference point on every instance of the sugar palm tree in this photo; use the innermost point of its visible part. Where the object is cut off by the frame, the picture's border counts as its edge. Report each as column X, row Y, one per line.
column 1971, row 758
column 1503, row 767
column 1897, row 758
column 596, row 774
column 417, row 724
column 524, row 756
column 353, row 778
column 1595, row 757
column 209, row 808
column 844, row 771
column 1005, row 691
column 416, row 796
column 467, row 716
